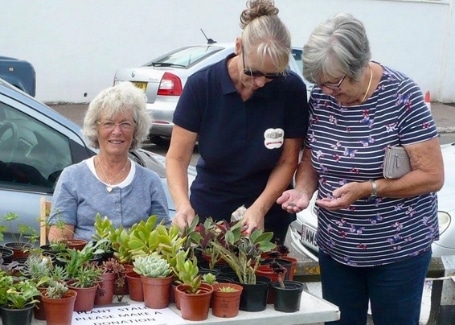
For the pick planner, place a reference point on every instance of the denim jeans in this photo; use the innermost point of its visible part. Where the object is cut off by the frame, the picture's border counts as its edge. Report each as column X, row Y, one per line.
column 394, row 290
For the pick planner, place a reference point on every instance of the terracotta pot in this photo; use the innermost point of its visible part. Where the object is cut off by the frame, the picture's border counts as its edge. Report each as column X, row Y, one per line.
column 123, row 290
column 134, row 286
column 20, row 249
column 59, row 311
column 156, row 291
column 38, row 311
column 75, row 243
column 226, row 304
column 194, row 306
column 21, row 316
column 105, row 292
column 85, row 299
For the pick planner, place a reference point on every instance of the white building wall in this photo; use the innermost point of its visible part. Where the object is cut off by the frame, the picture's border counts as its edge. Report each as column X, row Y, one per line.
column 76, row 46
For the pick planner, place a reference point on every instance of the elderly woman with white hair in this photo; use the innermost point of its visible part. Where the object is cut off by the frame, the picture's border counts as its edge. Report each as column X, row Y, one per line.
column 109, row 183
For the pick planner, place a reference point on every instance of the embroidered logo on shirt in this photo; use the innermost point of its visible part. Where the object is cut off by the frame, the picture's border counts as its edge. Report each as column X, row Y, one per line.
column 273, row 138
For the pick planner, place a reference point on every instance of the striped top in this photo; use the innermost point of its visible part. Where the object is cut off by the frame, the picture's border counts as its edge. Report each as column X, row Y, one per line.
column 348, row 146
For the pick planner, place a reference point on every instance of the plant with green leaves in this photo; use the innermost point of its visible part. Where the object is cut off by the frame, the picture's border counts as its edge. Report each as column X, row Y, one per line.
column 56, row 289
column 141, row 241
column 167, row 241
column 88, row 276
column 104, row 230
column 152, row 266
column 17, row 294
column 187, row 271
column 227, row 288
column 23, row 233
column 120, row 241
column 243, row 252
column 209, row 278
column 74, row 259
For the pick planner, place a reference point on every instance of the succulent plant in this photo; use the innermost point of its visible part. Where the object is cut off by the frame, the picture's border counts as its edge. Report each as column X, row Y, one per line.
column 56, row 290
column 152, row 266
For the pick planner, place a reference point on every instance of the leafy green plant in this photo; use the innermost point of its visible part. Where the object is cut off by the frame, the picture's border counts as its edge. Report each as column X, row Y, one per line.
column 242, row 252
column 88, row 276
column 187, row 271
column 152, row 266
column 17, row 294
column 23, row 233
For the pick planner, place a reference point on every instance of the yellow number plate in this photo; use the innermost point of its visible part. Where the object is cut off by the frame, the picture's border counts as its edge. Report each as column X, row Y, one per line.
column 140, row 85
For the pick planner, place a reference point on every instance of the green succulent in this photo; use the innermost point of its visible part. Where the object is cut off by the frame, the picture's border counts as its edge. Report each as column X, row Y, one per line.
column 152, row 266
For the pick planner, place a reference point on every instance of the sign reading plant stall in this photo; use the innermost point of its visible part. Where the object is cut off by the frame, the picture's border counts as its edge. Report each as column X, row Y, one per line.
column 133, row 313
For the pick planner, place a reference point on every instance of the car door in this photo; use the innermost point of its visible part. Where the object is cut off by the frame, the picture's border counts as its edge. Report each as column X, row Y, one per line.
column 35, row 146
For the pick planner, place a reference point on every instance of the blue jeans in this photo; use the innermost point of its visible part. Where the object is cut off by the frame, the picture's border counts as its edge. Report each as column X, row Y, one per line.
column 394, row 290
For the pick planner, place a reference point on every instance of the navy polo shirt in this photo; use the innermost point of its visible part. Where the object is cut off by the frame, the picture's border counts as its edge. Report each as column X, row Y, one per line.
column 239, row 142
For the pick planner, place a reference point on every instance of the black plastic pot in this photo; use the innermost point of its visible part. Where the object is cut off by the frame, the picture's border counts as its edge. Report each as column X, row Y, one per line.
column 287, row 299
column 6, row 254
column 254, row 296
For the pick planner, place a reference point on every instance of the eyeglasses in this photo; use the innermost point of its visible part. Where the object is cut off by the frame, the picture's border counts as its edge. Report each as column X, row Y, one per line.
column 333, row 86
column 124, row 126
column 257, row 74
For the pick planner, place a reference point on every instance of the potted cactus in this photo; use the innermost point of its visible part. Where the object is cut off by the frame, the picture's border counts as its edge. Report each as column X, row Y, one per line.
column 58, row 302
column 156, row 277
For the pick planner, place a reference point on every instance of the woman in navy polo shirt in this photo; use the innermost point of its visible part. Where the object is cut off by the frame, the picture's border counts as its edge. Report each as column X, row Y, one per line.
column 249, row 116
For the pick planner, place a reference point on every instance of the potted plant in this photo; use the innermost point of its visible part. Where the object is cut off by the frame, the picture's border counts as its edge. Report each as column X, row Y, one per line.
column 58, row 302
column 23, row 240
column 17, row 299
column 287, row 293
column 39, row 269
column 104, row 230
column 113, row 272
column 156, row 277
column 226, row 299
column 192, row 296
column 243, row 254
column 85, row 283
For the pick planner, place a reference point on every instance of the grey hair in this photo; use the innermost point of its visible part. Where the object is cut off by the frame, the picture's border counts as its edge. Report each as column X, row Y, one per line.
column 337, row 47
column 123, row 98
column 264, row 31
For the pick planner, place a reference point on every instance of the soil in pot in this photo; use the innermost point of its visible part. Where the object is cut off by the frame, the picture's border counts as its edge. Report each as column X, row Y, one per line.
column 287, row 299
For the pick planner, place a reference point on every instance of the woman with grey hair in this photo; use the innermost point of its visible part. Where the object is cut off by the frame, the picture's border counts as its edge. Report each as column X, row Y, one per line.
column 109, row 183
column 374, row 233
column 248, row 115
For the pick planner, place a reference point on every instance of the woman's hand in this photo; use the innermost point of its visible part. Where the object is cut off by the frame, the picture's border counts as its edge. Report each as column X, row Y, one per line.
column 183, row 218
column 293, row 201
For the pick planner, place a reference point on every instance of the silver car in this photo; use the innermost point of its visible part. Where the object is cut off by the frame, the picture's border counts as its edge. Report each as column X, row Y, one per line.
column 163, row 79
column 303, row 230
column 36, row 143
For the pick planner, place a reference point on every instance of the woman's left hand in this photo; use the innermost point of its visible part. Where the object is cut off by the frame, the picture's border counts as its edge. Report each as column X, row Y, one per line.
column 252, row 220
column 344, row 196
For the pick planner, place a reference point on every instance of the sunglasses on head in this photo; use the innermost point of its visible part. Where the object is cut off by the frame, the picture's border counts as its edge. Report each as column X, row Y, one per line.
column 257, row 74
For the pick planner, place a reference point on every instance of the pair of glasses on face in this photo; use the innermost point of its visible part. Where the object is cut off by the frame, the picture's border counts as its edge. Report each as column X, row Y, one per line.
column 333, row 86
column 109, row 125
column 257, row 74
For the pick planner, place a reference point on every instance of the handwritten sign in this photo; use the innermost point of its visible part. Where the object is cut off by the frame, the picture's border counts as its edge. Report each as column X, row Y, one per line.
column 133, row 313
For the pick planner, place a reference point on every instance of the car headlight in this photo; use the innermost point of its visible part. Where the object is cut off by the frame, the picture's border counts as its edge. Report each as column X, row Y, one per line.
column 444, row 221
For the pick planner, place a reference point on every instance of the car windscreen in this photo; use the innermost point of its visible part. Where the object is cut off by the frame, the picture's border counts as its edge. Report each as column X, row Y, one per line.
column 185, row 57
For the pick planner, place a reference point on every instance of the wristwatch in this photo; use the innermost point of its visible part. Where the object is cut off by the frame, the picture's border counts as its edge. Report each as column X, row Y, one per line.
column 374, row 191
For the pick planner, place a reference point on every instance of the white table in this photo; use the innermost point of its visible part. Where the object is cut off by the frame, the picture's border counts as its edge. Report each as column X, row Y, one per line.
column 312, row 310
